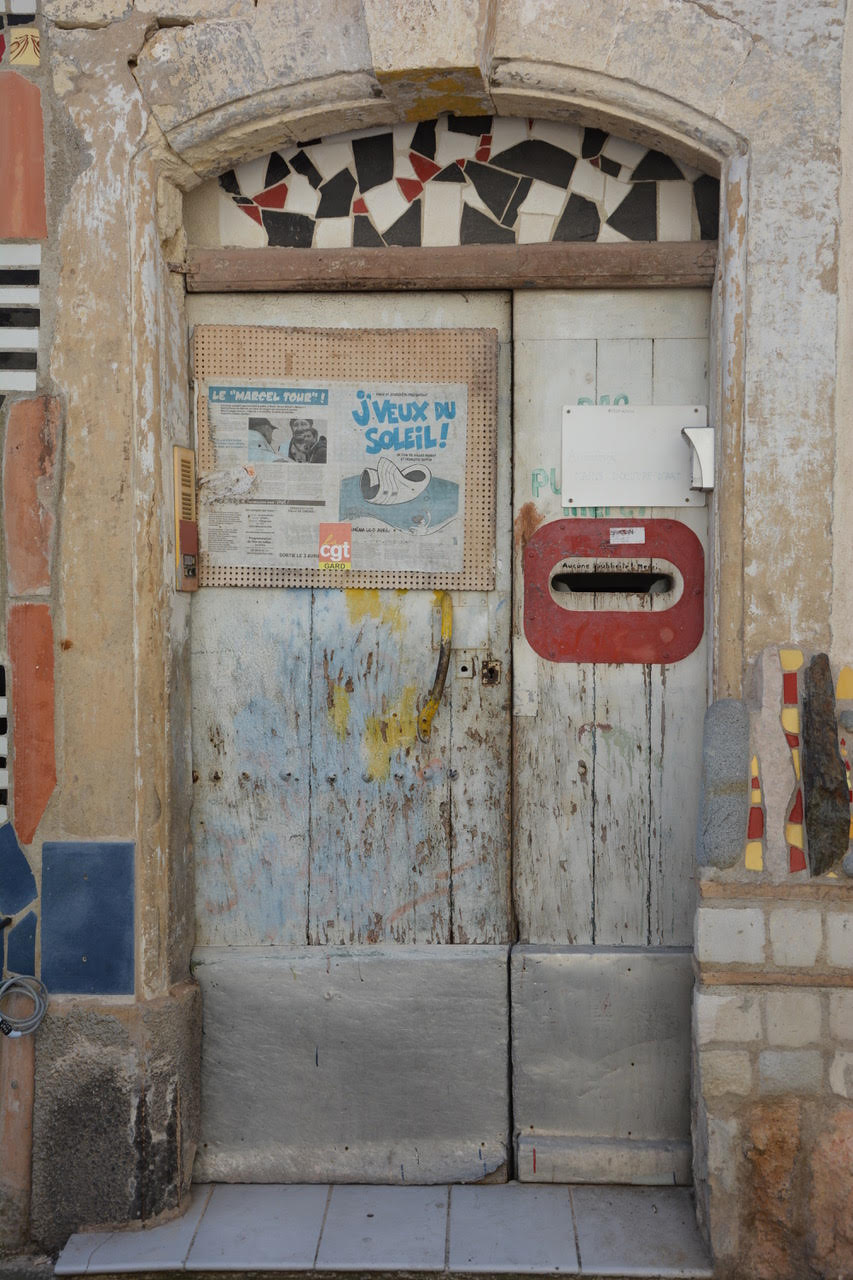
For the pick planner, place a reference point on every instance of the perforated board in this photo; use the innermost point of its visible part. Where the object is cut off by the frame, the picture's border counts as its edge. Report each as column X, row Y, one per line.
column 466, row 356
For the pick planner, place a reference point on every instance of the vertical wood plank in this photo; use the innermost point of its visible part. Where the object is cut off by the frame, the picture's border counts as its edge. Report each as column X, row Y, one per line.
column 251, row 744
column 624, row 372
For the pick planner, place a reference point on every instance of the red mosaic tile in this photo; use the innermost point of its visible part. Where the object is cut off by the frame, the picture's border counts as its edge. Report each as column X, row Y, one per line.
column 792, row 739
column 796, row 814
column 274, row 198
column 358, row 206
column 30, row 640
column 483, row 154
column 22, row 212
column 425, row 169
column 797, row 859
column 253, row 213
column 790, row 695
column 755, row 827
column 28, row 493
column 2, row 45
column 461, row 164
column 410, row 188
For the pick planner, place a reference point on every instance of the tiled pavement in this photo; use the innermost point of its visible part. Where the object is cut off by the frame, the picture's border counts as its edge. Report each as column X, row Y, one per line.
column 523, row 1229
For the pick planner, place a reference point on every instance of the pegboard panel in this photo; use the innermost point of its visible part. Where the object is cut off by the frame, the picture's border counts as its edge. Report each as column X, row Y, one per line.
column 441, row 356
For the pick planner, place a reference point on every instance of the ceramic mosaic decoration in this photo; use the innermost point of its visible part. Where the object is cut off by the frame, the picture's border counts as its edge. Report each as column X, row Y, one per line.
column 464, row 180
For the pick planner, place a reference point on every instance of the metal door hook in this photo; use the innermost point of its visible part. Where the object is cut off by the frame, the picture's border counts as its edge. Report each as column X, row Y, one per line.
column 431, row 705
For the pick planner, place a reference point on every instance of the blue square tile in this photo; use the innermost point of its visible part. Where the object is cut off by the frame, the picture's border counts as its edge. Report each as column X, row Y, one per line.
column 87, row 929
column 21, row 945
column 17, row 882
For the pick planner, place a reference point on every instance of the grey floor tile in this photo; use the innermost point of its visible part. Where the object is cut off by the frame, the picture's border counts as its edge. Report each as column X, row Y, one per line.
column 152, row 1248
column 639, row 1231
column 252, row 1228
column 384, row 1228
column 74, row 1258
column 511, row 1228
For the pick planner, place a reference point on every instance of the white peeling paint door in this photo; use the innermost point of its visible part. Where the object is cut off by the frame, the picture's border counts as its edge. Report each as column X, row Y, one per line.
column 337, row 855
column 606, row 770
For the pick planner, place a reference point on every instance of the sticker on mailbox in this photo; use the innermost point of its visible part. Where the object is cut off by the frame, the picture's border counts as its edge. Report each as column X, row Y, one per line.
column 627, row 533
column 335, row 546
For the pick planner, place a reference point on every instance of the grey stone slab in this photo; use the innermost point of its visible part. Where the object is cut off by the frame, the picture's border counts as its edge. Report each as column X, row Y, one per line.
column 162, row 1248
column 639, row 1231
column 269, row 1228
column 724, row 800
column 374, row 1064
column 74, row 1258
column 511, row 1228
column 385, row 1228
column 540, row 1158
column 601, row 1044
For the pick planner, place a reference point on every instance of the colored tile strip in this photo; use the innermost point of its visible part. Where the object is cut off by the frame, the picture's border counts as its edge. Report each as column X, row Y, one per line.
column 29, row 494
column 22, row 209
column 30, row 641
column 791, row 660
column 754, row 853
column 4, row 748
column 20, row 266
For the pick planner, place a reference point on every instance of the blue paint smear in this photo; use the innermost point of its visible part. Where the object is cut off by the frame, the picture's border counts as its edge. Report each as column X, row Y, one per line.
column 17, row 882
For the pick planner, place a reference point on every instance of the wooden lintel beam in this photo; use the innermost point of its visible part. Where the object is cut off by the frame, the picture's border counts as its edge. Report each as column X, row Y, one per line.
column 529, row 266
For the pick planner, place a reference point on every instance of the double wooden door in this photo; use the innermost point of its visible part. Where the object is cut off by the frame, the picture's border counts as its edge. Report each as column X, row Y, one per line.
column 544, row 831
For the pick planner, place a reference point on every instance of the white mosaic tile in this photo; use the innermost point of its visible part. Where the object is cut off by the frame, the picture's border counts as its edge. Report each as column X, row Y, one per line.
column 470, row 196
column 675, row 210
column 403, row 166
column 606, row 235
column 455, row 146
column 237, row 228
column 17, row 380
column 614, row 193
column 543, row 198
column 403, row 134
column 567, row 136
column 442, row 211
column 623, row 151
column 506, row 133
column 21, row 295
column 535, row 228
column 333, row 233
column 587, row 181
column 386, row 204
column 328, row 158
column 252, row 175
column 20, row 255
column 19, row 339
column 301, row 196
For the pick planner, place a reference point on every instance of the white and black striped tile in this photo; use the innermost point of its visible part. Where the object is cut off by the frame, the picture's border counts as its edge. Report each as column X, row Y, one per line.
column 4, row 749
column 20, row 266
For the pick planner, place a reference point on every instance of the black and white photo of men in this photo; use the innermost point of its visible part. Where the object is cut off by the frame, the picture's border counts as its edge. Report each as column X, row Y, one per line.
column 296, row 440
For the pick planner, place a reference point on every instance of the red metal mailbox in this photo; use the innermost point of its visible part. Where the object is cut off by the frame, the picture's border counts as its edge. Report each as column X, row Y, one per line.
column 607, row 590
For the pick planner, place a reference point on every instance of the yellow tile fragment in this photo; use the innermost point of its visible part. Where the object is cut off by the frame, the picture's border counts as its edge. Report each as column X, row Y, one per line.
column 791, row 719
column 844, row 688
column 754, row 857
column 794, row 834
column 795, row 761
column 791, row 659
column 24, row 46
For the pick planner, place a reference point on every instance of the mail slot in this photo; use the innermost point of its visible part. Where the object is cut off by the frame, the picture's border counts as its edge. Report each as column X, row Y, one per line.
column 602, row 591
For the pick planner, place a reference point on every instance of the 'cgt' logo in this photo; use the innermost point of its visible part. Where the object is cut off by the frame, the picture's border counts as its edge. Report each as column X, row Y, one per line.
column 335, row 546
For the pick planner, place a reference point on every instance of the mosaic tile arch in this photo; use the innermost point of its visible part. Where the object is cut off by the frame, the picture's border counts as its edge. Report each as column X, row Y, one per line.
column 464, row 180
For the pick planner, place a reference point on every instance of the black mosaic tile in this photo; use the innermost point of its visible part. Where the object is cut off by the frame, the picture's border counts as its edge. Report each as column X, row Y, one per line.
column 593, row 141
column 476, row 228
column 493, row 186
column 2, row 679
column 451, row 174
column 423, row 139
column 336, row 196
column 706, row 193
column 242, row 200
column 18, row 360
column 309, row 142
column 473, row 125
column 656, row 167
column 374, row 160
column 537, row 159
column 19, row 275
column 277, row 170
column 20, row 19
column 301, row 164
column 26, row 316
column 636, row 216
column 407, row 229
column 364, row 234
column 579, row 220
column 516, row 202
column 608, row 166
column 228, row 182
column 288, row 230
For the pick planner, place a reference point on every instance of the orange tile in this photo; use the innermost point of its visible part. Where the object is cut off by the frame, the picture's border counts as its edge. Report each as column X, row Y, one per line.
column 28, row 493
column 22, row 213
column 30, row 640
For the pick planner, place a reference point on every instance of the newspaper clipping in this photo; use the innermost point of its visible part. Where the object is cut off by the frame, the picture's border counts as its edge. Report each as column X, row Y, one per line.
column 334, row 475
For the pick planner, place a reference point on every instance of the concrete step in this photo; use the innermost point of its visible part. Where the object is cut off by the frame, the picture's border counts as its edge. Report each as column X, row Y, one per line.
column 517, row 1229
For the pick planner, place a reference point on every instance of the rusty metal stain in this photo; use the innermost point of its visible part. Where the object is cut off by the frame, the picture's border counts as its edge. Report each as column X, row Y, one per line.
column 527, row 522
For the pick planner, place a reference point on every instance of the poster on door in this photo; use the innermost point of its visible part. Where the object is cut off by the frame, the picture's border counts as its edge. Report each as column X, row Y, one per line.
column 384, row 461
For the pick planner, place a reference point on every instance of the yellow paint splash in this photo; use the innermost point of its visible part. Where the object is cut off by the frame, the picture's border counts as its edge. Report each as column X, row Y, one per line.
column 339, row 710
column 844, row 688
column 383, row 735
column 368, row 603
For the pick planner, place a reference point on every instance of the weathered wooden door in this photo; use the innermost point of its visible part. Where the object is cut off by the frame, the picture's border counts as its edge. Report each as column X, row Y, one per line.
column 357, row 921
column 606, row 768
